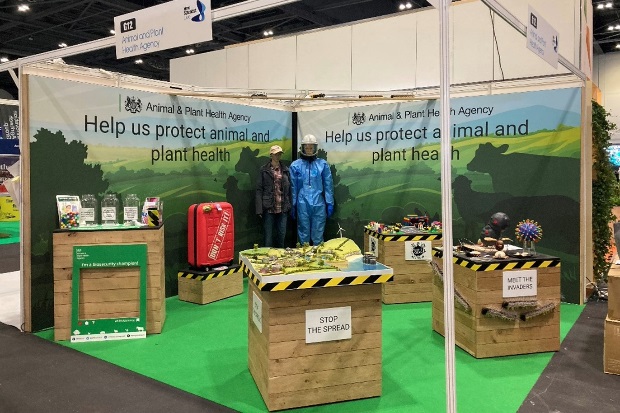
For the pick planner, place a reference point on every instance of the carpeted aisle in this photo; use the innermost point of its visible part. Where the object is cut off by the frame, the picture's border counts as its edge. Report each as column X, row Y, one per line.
column 39, row 376
column 574, row 380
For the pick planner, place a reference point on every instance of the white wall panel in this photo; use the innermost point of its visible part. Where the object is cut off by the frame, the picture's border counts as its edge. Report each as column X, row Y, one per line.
column 324, row 59
column 472, row 52
column 395, row 52
column 562, row 15
column 272, row 64
column 607, row 77
column 237, row 62
column 207, row 69
column 384, row 53
column 427, row 45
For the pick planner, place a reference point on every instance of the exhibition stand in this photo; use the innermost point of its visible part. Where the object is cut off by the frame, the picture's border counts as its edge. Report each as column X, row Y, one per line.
column 315, row 338
column 110, row 280
column 408, row 255
column 502, row 306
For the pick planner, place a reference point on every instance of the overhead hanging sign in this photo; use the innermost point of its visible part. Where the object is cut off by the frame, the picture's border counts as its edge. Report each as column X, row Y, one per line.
column 542, row 38
column 172, row 24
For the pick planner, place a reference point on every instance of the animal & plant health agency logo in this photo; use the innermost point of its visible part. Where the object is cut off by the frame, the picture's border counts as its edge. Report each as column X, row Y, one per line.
column 133, row 105
column 200, row 9
column 358, row 118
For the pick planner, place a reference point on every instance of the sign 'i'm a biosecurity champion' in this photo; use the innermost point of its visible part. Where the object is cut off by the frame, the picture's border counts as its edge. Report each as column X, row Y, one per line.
column 172, row 24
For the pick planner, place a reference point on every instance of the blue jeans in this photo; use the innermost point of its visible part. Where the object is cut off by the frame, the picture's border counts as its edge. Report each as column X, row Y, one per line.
column 274, row 226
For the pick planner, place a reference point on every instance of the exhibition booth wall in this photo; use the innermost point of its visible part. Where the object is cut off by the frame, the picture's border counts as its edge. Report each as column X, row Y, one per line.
column 391, row 53
column 88, row 137
column 93, row 133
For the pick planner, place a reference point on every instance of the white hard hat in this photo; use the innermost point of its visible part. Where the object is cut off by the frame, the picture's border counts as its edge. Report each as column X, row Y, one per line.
column 309, row 139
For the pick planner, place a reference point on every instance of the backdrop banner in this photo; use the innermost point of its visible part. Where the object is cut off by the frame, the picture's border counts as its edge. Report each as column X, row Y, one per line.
column 514, row 153
column 91, row 139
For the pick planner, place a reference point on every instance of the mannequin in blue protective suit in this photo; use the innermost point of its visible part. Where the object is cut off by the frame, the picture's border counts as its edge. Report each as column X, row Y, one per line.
column 312, row 192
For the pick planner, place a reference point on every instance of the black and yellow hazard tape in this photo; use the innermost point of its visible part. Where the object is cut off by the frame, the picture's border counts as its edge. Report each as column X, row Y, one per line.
column 402, row 237
column 153, row 217
column 207, row 275
column 495, row 265
column 315, row 283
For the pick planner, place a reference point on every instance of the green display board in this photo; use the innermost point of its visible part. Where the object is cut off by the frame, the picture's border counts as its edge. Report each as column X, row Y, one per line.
column 108, row 256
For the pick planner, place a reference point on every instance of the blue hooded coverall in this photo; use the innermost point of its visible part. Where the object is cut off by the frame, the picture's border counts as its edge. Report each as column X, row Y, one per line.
column 313, row 190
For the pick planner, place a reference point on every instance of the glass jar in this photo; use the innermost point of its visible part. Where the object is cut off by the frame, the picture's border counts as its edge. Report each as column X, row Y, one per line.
column 131, row 208
column 89, row 210
column 109, row 209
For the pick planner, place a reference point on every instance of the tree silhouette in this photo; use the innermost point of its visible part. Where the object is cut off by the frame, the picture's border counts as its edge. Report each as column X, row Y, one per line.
column 56, row 168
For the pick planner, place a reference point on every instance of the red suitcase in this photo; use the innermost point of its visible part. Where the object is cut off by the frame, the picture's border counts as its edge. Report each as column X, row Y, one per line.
column 210, row 234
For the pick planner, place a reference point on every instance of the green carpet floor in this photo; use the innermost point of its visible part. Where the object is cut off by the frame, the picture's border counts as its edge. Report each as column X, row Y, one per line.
column 9, row 232
column 203, row 350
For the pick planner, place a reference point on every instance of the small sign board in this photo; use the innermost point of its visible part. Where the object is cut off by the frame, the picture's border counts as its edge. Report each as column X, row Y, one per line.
column 108, row 256
column 373, row 245
column 542, row 38
column 328, row 324
column 257, row 311
column 418, row 251
column 523, row 283
column 172, row 24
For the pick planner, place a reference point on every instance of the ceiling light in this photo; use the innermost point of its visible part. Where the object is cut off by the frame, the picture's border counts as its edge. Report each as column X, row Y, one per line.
column 189, row 51
column 112, row 31
column 617, row 27
column 268, row 33
column 610, row 28
column 4, row 59
column 609, row 5
column 404, row 6
column 23, row 7
column 63, row 44
column 618, row 46
column 138, row 61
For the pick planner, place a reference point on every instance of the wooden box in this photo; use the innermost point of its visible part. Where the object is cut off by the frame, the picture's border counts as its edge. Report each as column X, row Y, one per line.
column 611, row 363
column 413, row 279
column 479, row 292
column 613, row 290
column 207, row 287
column 109, row 292
column 291, row 373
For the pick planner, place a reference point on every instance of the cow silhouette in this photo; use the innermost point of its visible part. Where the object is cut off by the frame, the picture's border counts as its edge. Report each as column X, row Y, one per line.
column 474, row 207
column 250, row 163
column 526, row 174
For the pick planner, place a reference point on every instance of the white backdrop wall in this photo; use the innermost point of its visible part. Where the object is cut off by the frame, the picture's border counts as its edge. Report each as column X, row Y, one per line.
column 390, row 53
column 607, row 77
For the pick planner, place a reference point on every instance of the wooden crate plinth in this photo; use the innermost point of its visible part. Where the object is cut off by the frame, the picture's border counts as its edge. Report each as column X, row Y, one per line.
column 483, row 336
column 413, row 280
column 208, row 290
column 613, row 290
column 290, row 373
column 109, row 292
column 611, row 357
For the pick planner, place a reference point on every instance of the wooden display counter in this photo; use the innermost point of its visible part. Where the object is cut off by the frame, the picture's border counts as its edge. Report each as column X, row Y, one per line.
column 315, row 338
column 502, row 307
column 107, row 293
column 408, row 256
